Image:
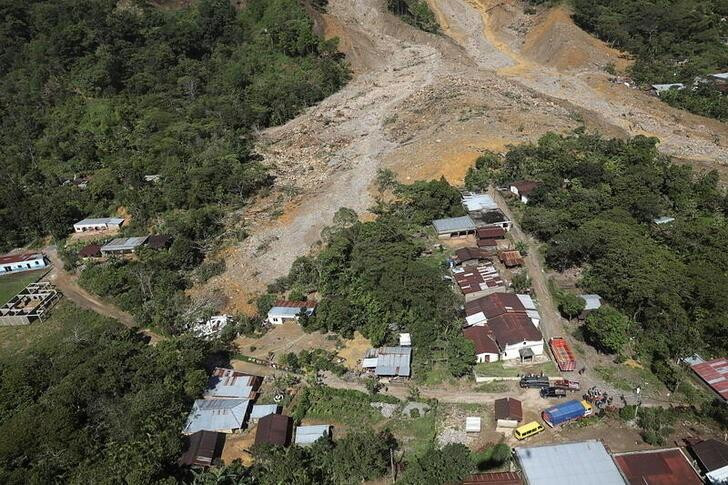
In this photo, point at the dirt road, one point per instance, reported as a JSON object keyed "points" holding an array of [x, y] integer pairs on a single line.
{"points": [[426, 105], [68, 285]]}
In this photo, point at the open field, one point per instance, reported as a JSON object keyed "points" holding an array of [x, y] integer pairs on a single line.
{"points": [[11, 284]]}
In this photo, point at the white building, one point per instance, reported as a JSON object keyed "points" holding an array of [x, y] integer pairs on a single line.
{"points": [[472, 424], [98, 224], [284, 311], [12, 263], [523, 188]]}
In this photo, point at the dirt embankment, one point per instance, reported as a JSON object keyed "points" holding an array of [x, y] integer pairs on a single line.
{"points": [[426, 105]]}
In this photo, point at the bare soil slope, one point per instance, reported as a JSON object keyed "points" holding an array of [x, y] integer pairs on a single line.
{"points": [[426, 105]]}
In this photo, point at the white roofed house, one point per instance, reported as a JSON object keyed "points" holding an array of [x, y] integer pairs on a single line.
{"points": [[98, 224], [308, 435], [12, 263], [283, 311]]}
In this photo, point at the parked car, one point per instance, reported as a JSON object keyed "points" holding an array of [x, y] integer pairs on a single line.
{"points": [[568, 385], [553, 392]]}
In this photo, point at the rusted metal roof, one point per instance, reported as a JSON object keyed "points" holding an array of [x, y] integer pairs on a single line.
{"points": [[511, 258], [711, 453], [491, 233], [657, 467], [90, 251], [493, 478], [19, 258], [524, 187], [512, 328], [482, 339], [496, 304], [202, 448], [274, 429], [508, 408], [468, 254], [715, 374]]}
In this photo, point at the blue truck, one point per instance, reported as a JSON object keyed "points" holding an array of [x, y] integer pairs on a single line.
{"points": [[566, 411]]}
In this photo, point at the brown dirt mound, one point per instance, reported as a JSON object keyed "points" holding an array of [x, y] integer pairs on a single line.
{"points": [[557, 42]]}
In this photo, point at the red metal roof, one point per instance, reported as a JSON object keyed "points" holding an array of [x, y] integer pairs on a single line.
{"points": [[512, 328], [19, 258], [524, 186], [494, 305], [491, 233], [482, 339], [715, 374], [294, 304], [508, 408], [493, 478], [658, 467], [466, 254], [511, 258]]}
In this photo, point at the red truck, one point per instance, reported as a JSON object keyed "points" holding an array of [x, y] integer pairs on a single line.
{"points": [[566, 385], [562, 354]]}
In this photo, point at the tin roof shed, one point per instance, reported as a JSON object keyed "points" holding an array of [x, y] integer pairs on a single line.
{"points": [[568, 464], [452, 225]]}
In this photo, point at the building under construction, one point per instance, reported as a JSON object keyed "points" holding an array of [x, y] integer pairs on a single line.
{"points": [[32, 303]]}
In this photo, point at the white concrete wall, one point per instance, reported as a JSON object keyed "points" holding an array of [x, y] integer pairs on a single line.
{"points": [[512, 351], [23, 266], [486, 357]]}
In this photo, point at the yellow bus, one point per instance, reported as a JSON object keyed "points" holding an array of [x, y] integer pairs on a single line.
{"points": [[528, 430]]}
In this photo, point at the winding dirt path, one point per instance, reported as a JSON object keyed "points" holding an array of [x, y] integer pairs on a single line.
{"points": [[68, 285]]}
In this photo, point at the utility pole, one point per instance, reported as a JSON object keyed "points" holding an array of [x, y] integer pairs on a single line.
{"points": [[391, 463]]}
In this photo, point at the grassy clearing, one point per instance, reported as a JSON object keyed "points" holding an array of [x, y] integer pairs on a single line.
{"points": [[436, 376], [497, 369], [626, 378], [66, 321], [416, 435], [11, 284], [494, 386]]}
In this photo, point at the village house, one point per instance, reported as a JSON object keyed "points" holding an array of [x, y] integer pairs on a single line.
{"points": [[122, 245], [284, 311], [489, 237], [511, 259], [231, 384], [274, 429], [202, 449], [221, 415], [568, 464], [33, 302], [508, 412], [712, 457], [666, 466], [470, 256], [592, 302], [98, 224], [453, 227], [308, 435], [90, 251], [389, 361], [523, 188], [714, 373], [507, 336], [14, 263]]}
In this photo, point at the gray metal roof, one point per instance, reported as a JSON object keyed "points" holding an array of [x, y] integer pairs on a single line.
{"points": [[720, 75], [99, 221], [394, 361], [261, 410], [217, 415], [306, 435], [663, 220], [527, 302], [476, 202], [454, 224], [666, 87], [568, 464], [124, 244], [229, 385], [592, 301]]}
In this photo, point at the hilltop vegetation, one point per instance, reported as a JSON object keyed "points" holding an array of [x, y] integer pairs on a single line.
{"points": [[122, 90], [673, 41], [595, 206]]}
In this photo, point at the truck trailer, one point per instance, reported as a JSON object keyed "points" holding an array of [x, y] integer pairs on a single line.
{"points": [[565, 412], [563, 355]]}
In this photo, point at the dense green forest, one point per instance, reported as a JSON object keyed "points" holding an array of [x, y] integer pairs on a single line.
{"points": [[94, 403], [672, 40], [372, 277], [595, 208], [116, 91]]}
